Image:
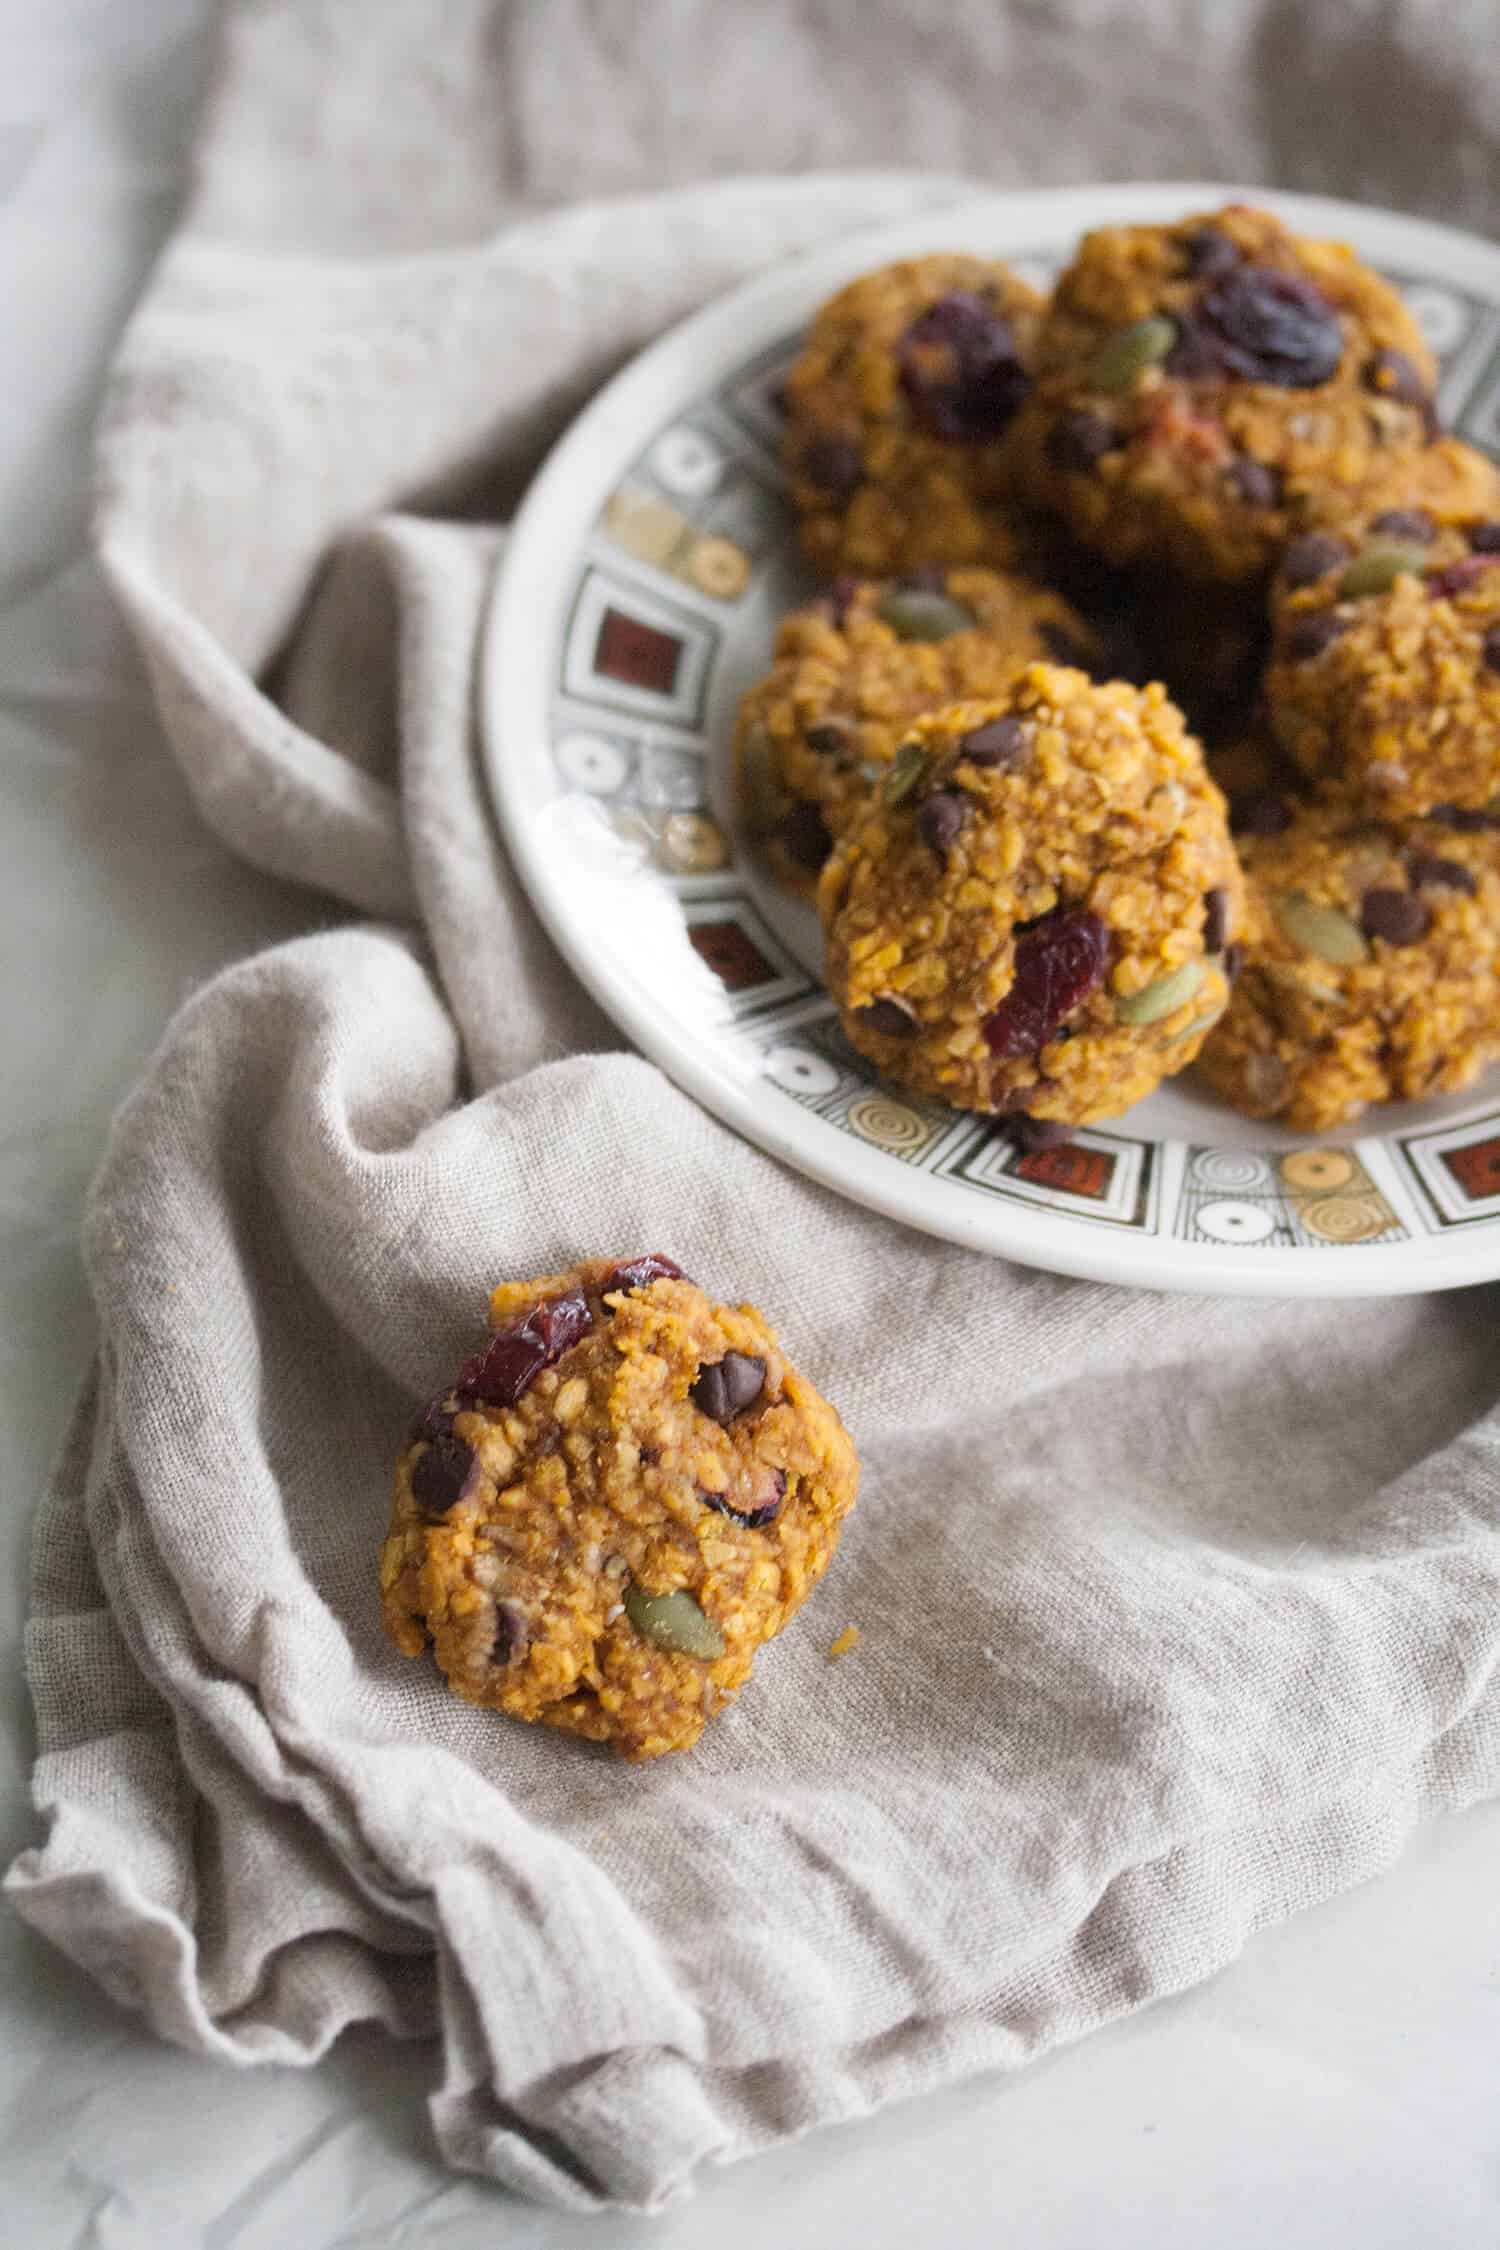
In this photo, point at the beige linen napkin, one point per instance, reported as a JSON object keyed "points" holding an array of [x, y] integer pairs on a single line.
{"points": [[1176, 1616]]}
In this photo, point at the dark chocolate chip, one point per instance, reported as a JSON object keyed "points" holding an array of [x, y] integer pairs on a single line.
{"points": [[827, 741], [725, 1387], [753, 1519], [1259, 812], [1309, 636], [1234, 961], [1396, 916], [1393, 375], [1312, 557], [1449, 874], [639, 1273], [1485, 538], [1258, 485], [941, 818], [1033, 1133], [512, 1634], [435, 1420], [1468, 820], [439, 1475], [1208, 253], [834, 465], [890, 1018], [1413, 525], [1079, 441], [1215, 920], [999, 743], [804, 837], [1489, 649], [1064, 647]]}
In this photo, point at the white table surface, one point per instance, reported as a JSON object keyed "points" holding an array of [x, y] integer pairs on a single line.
{"points": [[1340, 2085]]}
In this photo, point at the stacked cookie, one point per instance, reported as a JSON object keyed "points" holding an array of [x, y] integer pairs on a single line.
{"points": [[1209, 469]]}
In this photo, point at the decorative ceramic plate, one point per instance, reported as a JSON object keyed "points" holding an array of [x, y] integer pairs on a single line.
{"points": [[644, 578]]}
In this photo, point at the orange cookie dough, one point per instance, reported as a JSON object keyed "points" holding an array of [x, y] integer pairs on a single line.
{"points": [[854, 669], [623, 1495], [1034, 916], [897, 413], [1204, 391], [1371, 967], [1385, 677]]}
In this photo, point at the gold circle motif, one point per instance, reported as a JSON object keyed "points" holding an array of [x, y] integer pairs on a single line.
{"points": [[1323, 1168], [694, 843], [890, 1125], [1347, 1218], [719, 567]]}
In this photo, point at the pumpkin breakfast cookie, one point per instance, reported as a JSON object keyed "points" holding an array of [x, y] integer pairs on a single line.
{"points": [[1035, 915], [624, 1494]]}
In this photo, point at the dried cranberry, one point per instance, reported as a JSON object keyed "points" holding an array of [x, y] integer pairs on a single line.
{"points": [[839, 595], [1270, 327], [834, 465], [753, 1519], [804, 837], [960, 369], [1413, 525], [1259, 812], [1485, 538], [1309, 636], [1312, 557], [1215, 920], [1208, 253], [1057, 964], [1394, 915], [1394, 376], [1448, 874], [433, 1421], [941, 819], [1458, 577], [995, 744], [725, 1387], [638, 1273], [1078, 441], [512, 1360], [1256, 483], [440, 1474]]}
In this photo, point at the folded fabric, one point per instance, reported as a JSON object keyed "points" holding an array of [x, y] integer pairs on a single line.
{"points": [[1175, 1615]]}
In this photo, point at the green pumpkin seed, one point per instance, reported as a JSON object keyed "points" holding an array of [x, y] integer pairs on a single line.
{"points": [[903, 773], [1198, 1025], [1164, 998], [1321, 930], [919, 613], [1129, 352], [674, 1622], [1378, 568], [766, 802]]}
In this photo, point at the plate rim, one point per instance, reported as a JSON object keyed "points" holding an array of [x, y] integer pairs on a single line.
{"points": [[515, 679]]}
